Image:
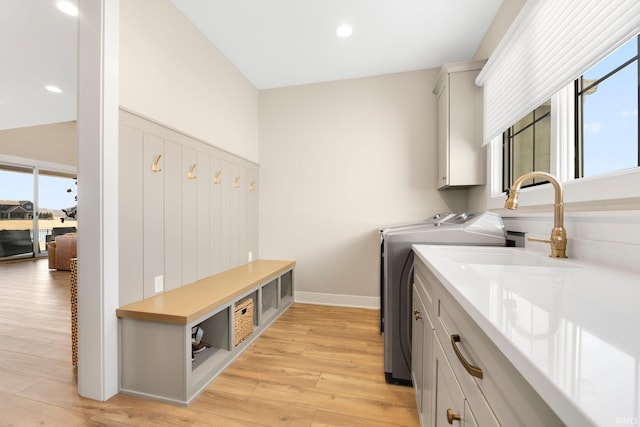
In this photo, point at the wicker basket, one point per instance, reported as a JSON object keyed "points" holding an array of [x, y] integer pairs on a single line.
{"points": [[243, 326]]}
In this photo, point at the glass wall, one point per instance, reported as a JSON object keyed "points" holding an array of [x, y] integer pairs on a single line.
{"points": [[32, 209], [56, 205]]}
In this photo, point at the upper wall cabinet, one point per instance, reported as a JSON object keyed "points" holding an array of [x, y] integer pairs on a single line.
{"points": [[460, 159]]}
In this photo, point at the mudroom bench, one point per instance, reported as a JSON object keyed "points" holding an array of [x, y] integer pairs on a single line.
{"points": [[231, 309]]}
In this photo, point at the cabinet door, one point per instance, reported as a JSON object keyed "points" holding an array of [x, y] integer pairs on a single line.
{"points": [[465, 153], [443, 135], [428, 383], [417, 345], [448, 397], [421, 359], [469, 419]]}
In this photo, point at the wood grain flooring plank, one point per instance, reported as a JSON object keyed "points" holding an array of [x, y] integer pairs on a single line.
{"points": [[315, 365], [258, 408], [17, 411], [341, 403], [331, 419]]}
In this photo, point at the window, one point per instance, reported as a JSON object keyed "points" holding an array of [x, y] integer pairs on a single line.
{"points": [[593, 143], [526, 146], [607, 114], [31, 203]]}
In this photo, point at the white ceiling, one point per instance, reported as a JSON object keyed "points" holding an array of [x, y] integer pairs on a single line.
{"points": [[38, 47], [273, 43], [279, 43]]}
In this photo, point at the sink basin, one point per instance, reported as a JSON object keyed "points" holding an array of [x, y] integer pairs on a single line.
{"points": [[500, 256]]}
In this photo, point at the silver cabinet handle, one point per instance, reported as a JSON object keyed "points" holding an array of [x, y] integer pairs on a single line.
{"points": [[472, 370]]}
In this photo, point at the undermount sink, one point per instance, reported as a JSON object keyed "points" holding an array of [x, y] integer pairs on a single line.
{"points": [[501, 256]]}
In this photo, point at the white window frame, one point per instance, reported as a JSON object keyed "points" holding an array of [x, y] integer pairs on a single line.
{"points": [[612, 191]]}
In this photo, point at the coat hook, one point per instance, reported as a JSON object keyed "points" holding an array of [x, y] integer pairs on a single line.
{"points": [[216, 178], [154, 165], [191, 174], [252, 185], [236, 182]]}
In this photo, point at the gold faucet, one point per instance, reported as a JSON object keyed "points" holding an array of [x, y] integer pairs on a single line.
{"points": [[558, 238]]}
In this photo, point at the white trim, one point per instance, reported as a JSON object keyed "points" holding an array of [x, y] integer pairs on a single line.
{"points": [[98, 44], [606, 192], [614, 191], [338, 300], [40, 164]]}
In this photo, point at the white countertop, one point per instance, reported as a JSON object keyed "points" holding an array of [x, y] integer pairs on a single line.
{"points": [[571, 329]]}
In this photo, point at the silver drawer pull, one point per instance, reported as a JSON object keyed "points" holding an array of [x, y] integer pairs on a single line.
{"points": [[472, 370]]}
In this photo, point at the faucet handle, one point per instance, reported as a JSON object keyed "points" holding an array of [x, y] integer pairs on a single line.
{"points": [[558, 243], [534, 239]]}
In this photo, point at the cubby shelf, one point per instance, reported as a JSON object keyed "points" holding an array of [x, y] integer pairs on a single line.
{"points": [[155, 333]]}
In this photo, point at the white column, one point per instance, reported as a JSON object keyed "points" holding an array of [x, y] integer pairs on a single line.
{"points": [[98, 44]]}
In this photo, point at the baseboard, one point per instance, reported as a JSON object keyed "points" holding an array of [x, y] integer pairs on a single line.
{"points": [[338, 300]]}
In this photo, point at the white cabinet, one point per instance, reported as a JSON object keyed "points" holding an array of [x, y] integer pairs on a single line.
{"points": [[448, 396], [421, 359], [470, 377], [460, 152]]}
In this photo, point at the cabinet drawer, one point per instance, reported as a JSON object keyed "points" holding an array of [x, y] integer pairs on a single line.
{"points": [[502, 393], [425, 281]]}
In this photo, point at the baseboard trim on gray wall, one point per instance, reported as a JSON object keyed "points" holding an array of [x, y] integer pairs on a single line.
{"points": [[338, 300]]}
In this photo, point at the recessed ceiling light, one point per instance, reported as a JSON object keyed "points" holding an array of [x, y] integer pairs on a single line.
{"points": [[54, 89], [68, 8], [344, 31]]}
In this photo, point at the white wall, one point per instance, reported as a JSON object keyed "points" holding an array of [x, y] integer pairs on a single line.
{"points": [[337, 161], [171, 73]]}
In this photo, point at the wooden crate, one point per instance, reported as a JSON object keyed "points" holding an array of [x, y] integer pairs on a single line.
{"points": [[243, 325]]}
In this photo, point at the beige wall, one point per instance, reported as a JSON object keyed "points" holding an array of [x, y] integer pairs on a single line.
{"points": [[337, 161], [170, 73], [53, 143]]}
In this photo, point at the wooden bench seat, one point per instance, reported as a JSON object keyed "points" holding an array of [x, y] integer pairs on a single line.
{"points": [[155, 334]]}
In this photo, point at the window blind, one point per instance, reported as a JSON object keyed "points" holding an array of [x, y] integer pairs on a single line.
{"points": [[550, 44]]}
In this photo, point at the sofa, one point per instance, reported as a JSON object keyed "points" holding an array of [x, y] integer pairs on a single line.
{"points": [[61, 251], [15, 242]]}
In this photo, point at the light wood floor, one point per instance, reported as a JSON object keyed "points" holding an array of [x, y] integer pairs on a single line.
{"points": [[315, 366]]}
